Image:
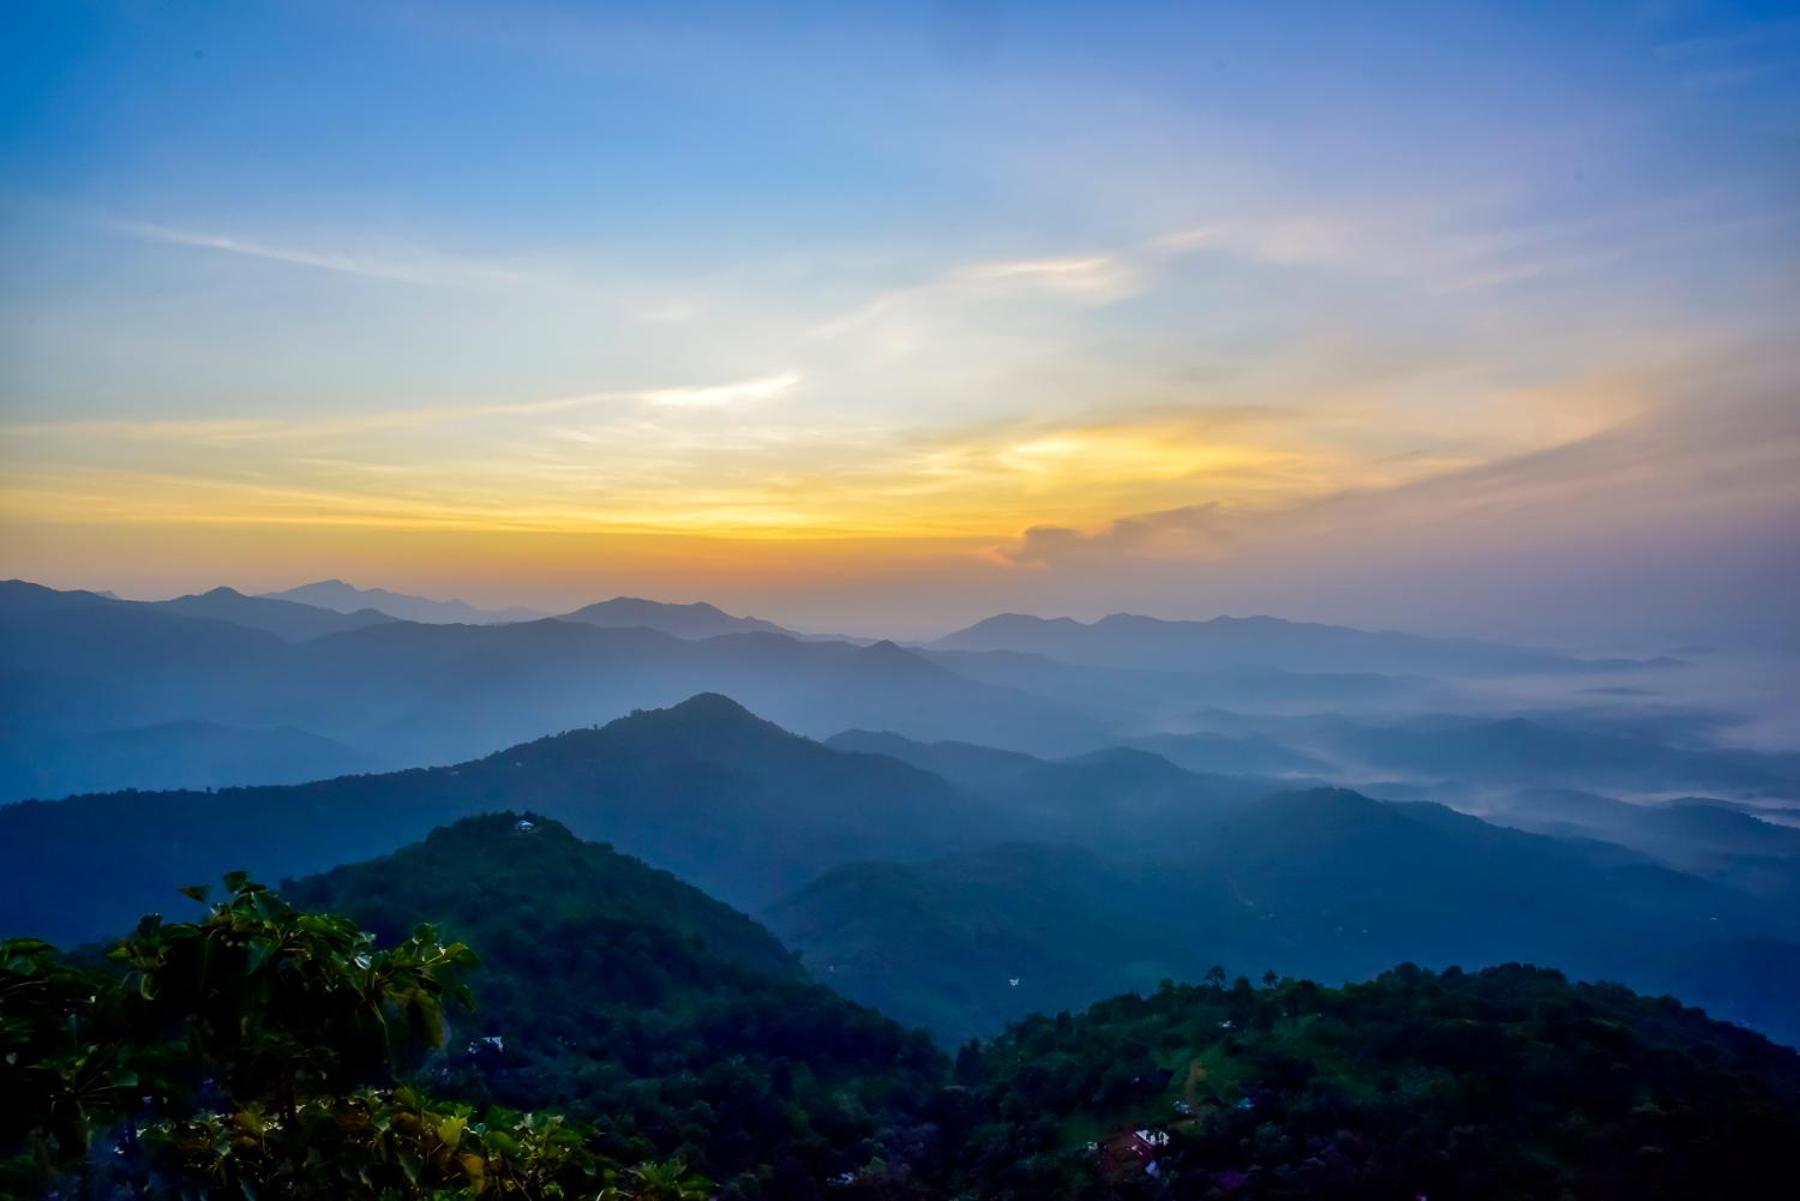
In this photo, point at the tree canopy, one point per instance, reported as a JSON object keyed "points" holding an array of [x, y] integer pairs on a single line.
{"points": [[255, 1053]]}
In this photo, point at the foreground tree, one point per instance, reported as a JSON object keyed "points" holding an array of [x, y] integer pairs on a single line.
{"points": [[254, 1054]]}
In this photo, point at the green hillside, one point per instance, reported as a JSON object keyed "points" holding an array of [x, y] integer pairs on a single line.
{"points": [[1507, 1084], [683, 1040], [613, 991]]}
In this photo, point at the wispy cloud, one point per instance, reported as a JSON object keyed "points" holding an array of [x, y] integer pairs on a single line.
{"points": [[396, 265], [216, 431], [1085, 279], [1668, 460]]}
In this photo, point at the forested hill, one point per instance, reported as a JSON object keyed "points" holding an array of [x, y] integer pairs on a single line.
{"points": [[517, 878], [611, 990], [1323, 883], [683, 1028], [618, 994], [1501, 1085]]}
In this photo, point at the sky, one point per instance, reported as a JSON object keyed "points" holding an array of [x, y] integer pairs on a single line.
{"points": [[1460, 318]]}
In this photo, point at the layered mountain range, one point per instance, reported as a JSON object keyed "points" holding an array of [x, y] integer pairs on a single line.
{"points": [[958, 887]]}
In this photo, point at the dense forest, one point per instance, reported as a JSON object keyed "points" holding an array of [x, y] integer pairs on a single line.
{"points": [[585, 1025], [1508, 1083], [261, 1051]]}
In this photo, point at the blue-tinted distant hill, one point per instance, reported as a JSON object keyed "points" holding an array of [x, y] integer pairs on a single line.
{"points": [[1127, 640], [407, 693], [698, 620], [1139, 699], [346, 598], [1119, 796], [183, 754], [287, 620], [730, 802], [1322, 883], [1709, 838]]}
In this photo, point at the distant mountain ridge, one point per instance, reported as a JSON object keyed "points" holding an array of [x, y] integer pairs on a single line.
{"points": [[291, 621], [410, 693], [347, 598], [697, 620], [1133, 641]]}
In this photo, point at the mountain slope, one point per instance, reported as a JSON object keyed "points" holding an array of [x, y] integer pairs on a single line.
{"points": [[737, 805], [1120, 796], [1127, 640], [175, 755], [616, 991], [1324, 883], [77, 662], [20, 598]]}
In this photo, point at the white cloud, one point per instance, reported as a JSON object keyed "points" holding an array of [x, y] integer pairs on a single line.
{"points": [[724, 395]]}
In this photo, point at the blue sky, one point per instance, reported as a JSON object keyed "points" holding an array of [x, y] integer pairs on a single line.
{"points": [[824, 308]]}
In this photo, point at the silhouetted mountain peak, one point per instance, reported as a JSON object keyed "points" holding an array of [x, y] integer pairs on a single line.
{"points": [[23, 596], [694, 620], [891, 657], [517, 857], [343, 597], [705, 726], [713, 707], [644, 606], [1001, 622]]}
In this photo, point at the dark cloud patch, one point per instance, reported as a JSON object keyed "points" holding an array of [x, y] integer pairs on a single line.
{"points": [[1191, 530]]}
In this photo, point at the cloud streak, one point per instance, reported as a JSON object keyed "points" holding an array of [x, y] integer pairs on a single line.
{"points": [[216, 431], [408, 267], [1671, 464]]}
